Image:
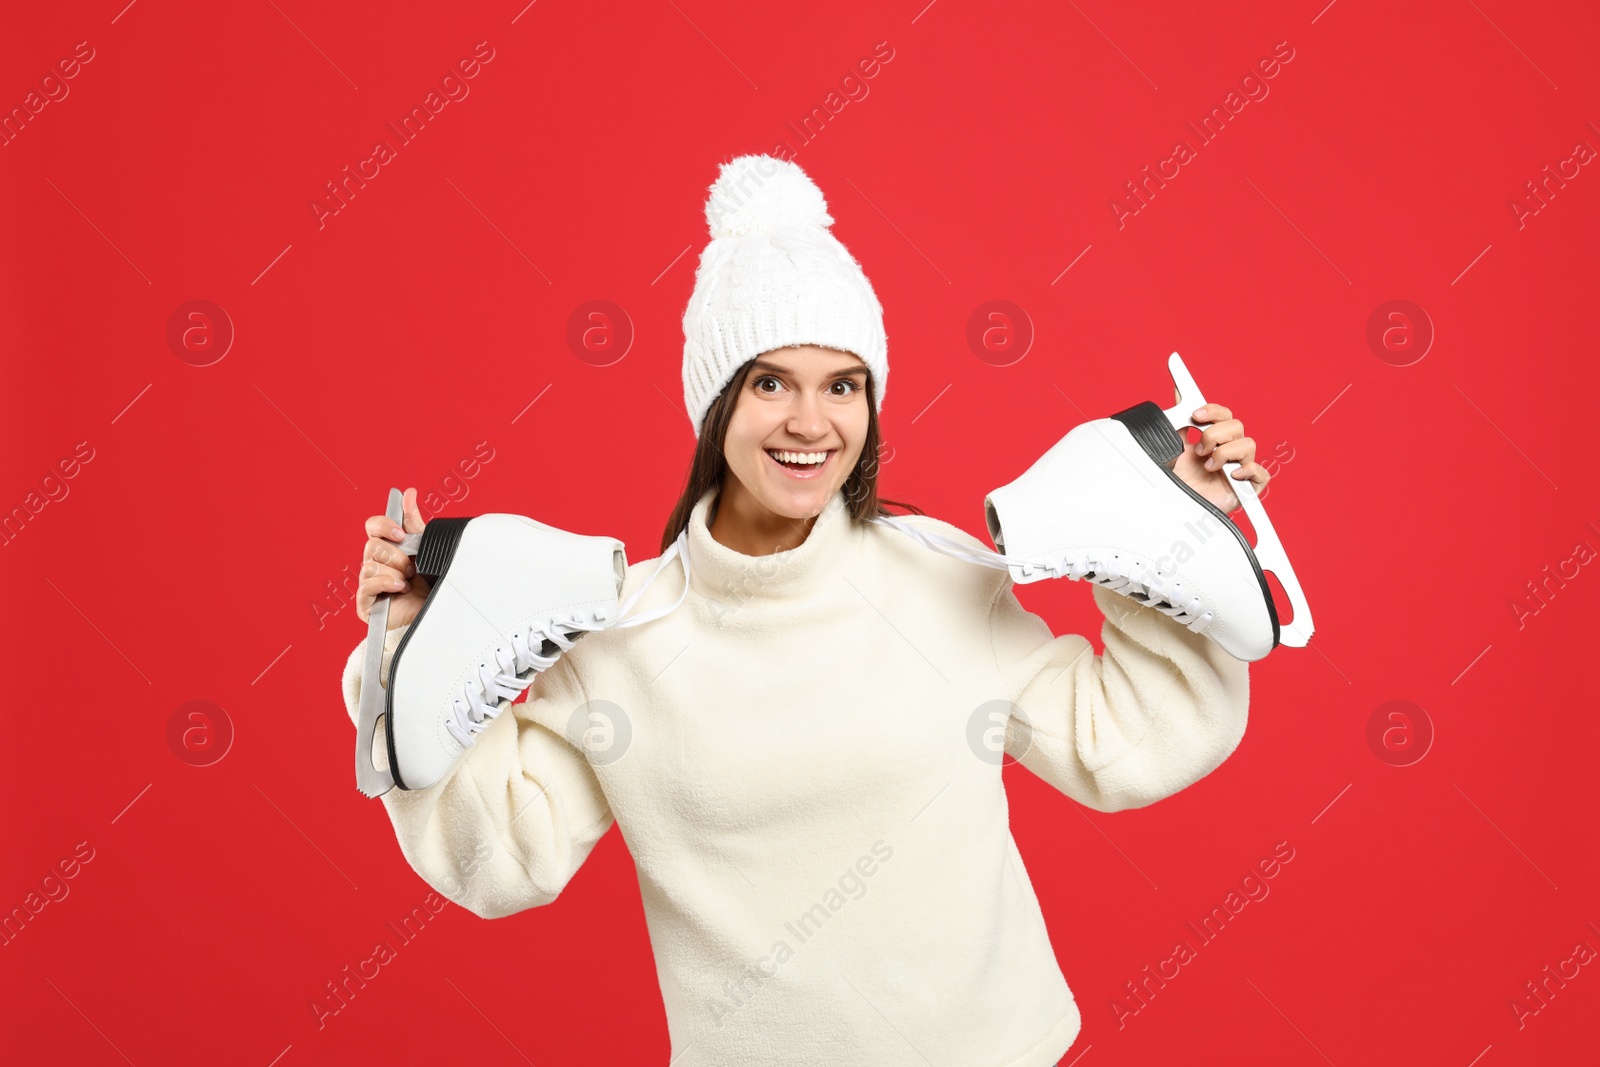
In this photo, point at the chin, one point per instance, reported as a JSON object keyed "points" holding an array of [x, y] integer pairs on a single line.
{"points": [[798, 503]]}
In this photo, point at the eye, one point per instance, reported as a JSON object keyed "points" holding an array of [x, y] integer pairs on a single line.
{"points": [[851, 382], [764, 378]]}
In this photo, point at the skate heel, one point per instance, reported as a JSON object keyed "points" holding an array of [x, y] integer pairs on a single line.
{"points": [[1151, 428], [440, 539], [1152, 431], [436, 548]]}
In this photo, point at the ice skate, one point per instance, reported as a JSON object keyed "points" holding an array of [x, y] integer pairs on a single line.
{"points": [[509, 596], [1104, 505]]}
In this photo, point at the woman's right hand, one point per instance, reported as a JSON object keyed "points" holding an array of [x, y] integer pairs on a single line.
{"points": [[385, 570]]}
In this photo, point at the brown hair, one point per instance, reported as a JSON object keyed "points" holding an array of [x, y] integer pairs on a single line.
{"points": [[710, 465]]}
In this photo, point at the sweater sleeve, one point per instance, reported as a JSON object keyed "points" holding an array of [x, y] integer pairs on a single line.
{"points": [[515, 816], [1160, 709]]}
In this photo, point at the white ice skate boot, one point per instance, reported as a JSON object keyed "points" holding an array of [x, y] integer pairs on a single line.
{"points": [[1104, 505], [509, 595]]}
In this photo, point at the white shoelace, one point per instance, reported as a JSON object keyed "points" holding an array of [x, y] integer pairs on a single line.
{"points": [[1121, 574], [508, 675]]}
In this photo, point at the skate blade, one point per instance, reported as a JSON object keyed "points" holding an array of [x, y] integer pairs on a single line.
{"points": [[1268, 548], [372, 779]]}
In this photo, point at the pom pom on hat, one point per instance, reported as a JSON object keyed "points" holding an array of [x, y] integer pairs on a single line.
{"points": [[773, 276], [760, 194]]}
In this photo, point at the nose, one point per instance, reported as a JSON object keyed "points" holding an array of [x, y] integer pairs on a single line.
{"points": [[807, 419]]}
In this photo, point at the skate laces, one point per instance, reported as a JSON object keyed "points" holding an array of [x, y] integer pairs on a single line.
{"points": [[1133, 578], [1121, 574], [680, 549], [509, 674]]}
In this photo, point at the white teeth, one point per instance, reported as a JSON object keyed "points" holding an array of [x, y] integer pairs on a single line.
{"points": [[798, 457]]}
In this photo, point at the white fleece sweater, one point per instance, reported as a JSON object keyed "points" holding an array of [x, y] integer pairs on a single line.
{"points": [[803, 759]]}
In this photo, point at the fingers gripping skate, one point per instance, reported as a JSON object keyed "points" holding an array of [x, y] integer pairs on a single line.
{"points": [[1268, 548]]}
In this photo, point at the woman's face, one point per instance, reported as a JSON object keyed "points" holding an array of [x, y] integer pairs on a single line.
{"points": [[804, 399]]}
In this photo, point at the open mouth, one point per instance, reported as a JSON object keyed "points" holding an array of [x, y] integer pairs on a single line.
{"points": [[801, 464]]}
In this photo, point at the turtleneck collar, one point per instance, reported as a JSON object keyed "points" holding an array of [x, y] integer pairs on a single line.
{"points": [[723, 574]]}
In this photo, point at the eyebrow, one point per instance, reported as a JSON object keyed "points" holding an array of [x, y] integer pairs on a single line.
{"points": [[762, 364]]}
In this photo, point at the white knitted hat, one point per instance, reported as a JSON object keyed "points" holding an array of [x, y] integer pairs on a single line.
{"points": [[773, 276]]}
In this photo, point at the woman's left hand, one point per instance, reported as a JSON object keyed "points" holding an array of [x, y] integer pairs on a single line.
{"points": [[1221, 441]]}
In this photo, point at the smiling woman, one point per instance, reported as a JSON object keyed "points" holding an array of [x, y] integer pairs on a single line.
{"points": [[785, 361], [791, 427], [818, 681]]}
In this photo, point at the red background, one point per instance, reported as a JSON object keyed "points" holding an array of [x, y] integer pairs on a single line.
{"points": [[186, 560]]}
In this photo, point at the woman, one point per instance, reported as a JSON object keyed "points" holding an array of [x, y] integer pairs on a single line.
{"points": [[804, 755]]}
